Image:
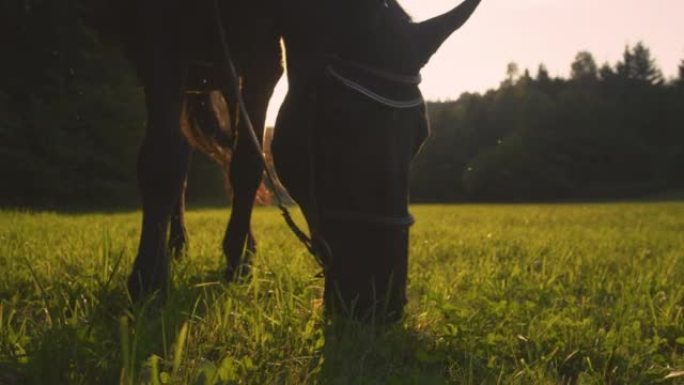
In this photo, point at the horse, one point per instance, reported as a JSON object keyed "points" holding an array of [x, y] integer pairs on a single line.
{"points": [[351, 122]]}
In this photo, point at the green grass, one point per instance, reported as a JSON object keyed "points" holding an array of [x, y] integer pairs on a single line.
{"points": [[498, 294]]}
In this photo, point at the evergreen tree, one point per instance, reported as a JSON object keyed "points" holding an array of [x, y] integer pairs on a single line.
{"points": [[512, 73], [606, 73], [646, 68], [543, 75], [526, 78], [584, 67], [638, 65], [625, 68]]}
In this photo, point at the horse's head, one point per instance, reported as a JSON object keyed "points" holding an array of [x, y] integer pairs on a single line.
{"points": [[366, 120]]}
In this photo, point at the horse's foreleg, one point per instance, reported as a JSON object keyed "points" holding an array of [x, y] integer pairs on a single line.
{"points": [[161, 173], [162, 167], [246, 167]]}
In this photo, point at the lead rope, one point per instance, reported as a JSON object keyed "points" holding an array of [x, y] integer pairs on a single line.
{"points": [[272, 179]]}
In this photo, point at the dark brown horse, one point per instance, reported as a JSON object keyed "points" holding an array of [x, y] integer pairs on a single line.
{"points": [[346, 133]]}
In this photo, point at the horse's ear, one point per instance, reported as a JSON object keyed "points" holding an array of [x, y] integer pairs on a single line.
{"points": [[430, 34]]}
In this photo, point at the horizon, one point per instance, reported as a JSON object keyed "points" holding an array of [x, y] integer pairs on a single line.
{"points": [[534, 32]]}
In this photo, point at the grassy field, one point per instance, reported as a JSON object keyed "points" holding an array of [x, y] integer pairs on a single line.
{"points": [[499, 294]]}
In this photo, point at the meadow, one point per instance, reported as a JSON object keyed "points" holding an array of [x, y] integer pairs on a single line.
{"points": [[498, 294]]}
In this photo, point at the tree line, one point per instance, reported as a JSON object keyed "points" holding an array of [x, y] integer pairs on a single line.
{"points": [[72, 117], [606, 132]]}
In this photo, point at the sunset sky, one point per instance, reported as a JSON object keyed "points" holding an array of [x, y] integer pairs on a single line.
{"points": [[530, 32]]}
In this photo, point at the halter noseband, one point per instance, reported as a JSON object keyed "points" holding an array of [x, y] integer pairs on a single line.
{"points": [[373, 95]]}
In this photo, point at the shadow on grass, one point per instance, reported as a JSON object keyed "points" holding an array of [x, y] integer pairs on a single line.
{"points": [[399, 354]]}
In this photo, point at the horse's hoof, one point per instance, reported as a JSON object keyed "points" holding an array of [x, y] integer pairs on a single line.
{"points": [[136, 288], [240, 273], [178, 250], [178, 246], [143, 287]]}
